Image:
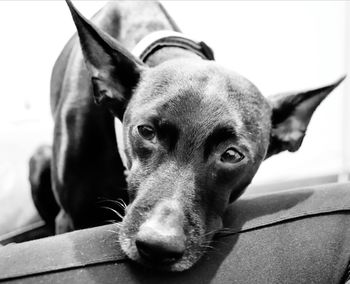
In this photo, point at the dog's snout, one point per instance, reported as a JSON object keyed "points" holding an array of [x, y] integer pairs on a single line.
{"points": [[160, 249], [161, 238]]}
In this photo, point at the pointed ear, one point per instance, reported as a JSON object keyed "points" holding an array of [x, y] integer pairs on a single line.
{"points": [[114, 71], [291, 114]]}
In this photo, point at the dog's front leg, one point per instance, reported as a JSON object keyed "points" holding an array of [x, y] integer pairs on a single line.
{"points": [[63, 222], [86, 166]]}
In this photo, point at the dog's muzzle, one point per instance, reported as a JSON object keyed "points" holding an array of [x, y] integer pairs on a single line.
{"points": [[161, 237]]}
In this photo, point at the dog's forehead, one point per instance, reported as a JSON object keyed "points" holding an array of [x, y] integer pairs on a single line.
{"points": [[197, 91], [173, 76]]}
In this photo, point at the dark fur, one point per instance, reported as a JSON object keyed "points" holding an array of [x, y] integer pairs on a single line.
{"points": [[179, 185]]}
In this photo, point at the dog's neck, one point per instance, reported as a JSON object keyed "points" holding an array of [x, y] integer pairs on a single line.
{"points": [[161, 46]]}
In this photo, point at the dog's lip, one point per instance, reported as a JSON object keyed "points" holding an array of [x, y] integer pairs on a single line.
{"points": [[169, 266], [173, 267], [157, 260], [160, 264]]}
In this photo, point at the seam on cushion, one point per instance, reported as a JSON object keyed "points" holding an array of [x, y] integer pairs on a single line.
{"points": [[256, 226], [346, 276], [276, 221], [65, 266]]}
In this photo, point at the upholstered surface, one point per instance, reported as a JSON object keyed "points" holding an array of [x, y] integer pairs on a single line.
{"points": [[299, 236]]}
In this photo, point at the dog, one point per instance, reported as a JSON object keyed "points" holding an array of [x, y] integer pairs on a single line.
{"points": [[194, 133]]}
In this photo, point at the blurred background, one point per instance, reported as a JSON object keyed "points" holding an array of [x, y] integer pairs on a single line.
{"points": [[279, 46]]}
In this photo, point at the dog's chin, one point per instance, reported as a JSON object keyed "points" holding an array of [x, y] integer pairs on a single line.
{"points": [[185, 263]]}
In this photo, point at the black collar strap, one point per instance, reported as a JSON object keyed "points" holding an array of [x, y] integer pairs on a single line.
{"points": [[159, 39]]}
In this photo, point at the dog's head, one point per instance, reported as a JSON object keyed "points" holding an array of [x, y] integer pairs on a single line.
{"points": [[195, 134]]}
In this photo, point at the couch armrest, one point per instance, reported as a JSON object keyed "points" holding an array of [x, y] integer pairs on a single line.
{"points": [[299, 236]]}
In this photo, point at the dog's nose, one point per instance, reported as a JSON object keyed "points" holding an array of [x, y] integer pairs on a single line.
{"points": [[158, 249], [161, 237]]}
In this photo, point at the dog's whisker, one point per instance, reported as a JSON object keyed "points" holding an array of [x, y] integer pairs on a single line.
{"points": [[120, 202], [206, 245], [113, 210], [114, 232], [213, 232], [116, 224], [225, 232], [111, 221], [213, 246], [224, 229], [217, 243], [123, 206], [102, 199]]}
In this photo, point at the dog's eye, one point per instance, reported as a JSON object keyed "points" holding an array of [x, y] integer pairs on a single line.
{"points": [[232, 156], [146, 131]]}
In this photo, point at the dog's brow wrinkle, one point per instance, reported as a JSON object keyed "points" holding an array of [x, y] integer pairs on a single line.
{"points": [[220, 134], [168, 133]]}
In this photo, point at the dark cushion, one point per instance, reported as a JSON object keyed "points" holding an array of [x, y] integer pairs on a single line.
{"points": [[299, 236]]}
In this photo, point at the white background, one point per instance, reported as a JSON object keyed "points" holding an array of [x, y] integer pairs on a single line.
{"points": [[279, 46]]}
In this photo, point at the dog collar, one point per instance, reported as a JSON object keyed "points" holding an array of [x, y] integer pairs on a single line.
{"points": [[159, 39]]}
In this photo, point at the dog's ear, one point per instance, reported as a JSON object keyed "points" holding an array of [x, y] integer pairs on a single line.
{"points": [[114, 71], [291, 114]]}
